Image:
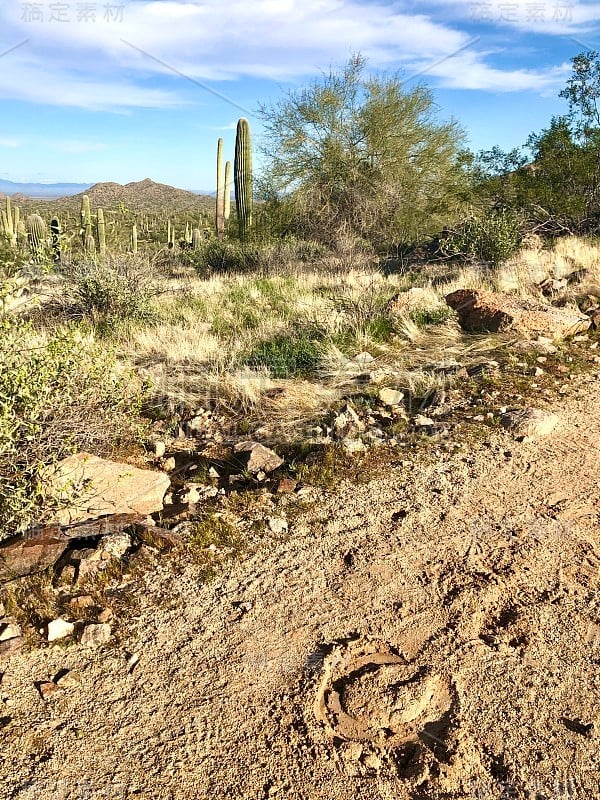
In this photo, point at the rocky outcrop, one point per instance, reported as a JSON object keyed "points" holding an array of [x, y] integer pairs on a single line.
{"points": [[491, 312]]}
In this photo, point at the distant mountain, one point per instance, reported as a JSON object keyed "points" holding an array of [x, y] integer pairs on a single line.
{"points": [[141, 196], [41, 191]]}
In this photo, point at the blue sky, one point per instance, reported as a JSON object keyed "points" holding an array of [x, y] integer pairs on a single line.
{"points": [[127, 89]]}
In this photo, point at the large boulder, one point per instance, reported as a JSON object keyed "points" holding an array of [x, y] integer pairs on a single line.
{"points": [[491, 312], [100, 487]]}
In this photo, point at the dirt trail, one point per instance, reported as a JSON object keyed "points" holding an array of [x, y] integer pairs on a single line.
{"points": [[432, 635]]}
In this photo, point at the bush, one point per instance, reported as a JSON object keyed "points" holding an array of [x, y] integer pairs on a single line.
{"points": [[56, 396], [491, 238], [221, 255], [119, 291]]}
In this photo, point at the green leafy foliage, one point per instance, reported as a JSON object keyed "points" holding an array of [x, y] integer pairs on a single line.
{"points": [[490, 238], [362, 154], [56, 395]]}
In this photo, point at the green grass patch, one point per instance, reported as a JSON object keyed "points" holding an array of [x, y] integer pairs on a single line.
{"points": [[287, 355]]}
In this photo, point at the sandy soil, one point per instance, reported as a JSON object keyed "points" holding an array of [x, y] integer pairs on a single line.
{"points": [[433, 634]]}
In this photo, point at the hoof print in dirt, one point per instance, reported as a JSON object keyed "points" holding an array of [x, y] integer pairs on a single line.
{"points": [[372, 696]]}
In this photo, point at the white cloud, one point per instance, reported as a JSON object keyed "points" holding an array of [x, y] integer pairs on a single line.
{"points": [[91, 66], [549, 17], [9, 143], [78, 146]]}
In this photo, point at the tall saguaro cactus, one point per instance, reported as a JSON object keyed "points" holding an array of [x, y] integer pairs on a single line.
{"points": [[220, 199], [10, 225], [242, 176], [87, 237], [36, 232], [101, 225], [227, 192], [55, 234]]}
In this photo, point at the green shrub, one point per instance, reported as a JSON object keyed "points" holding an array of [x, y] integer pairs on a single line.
{"points": [[221, 255], [429, 316], [56, 396], [120, 291], [287, 355], [491, 238]]}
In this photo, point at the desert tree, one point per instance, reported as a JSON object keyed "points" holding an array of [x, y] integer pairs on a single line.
{"points": [[362, 153]]}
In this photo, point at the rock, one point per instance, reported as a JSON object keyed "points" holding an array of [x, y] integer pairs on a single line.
{"points": [[529, 423], [286, 485], [421, 421], [9, 630], [11, 647], [59, 628], [106, 487], [190, 495], [82, 601], [105, 615], [347, 424], [277, 524], [115, 545], [69, 680], [47, 689], [353, 445], [363, 359], [160, 448], [34, 552], [391, 397], [96, 635], [258, 458], [168, 464], [595, 318], [159, 538], [491, 312]]}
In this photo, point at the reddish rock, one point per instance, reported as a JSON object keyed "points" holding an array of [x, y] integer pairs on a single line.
{"points": [[491, 312], [257, 457], [32, 553]]}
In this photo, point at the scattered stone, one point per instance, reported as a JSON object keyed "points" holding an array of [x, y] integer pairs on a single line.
{"points": [[259, 458], [47, 689], [391, 397], [106, 487], [59, 628], [32, 553], [69, 679], [115, 545], [82, 601], [190, 495], [277, 524], [95, 635], [9, 630], [11, 647], [168, 464], [105, 615], [529, 423], [159, 538], [421, 421], [353, 445], [286, 485], [160, 448], [490, 312], [362, 359], [347, 423]]}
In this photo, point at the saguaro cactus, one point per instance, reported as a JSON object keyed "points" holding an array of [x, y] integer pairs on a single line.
{"points": [[36, 233], [87, 237], [220, 201], [134, 243], [55, 234], [227, 191], [242, 176], [196, 239], [9, 225], [101, 226]]}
